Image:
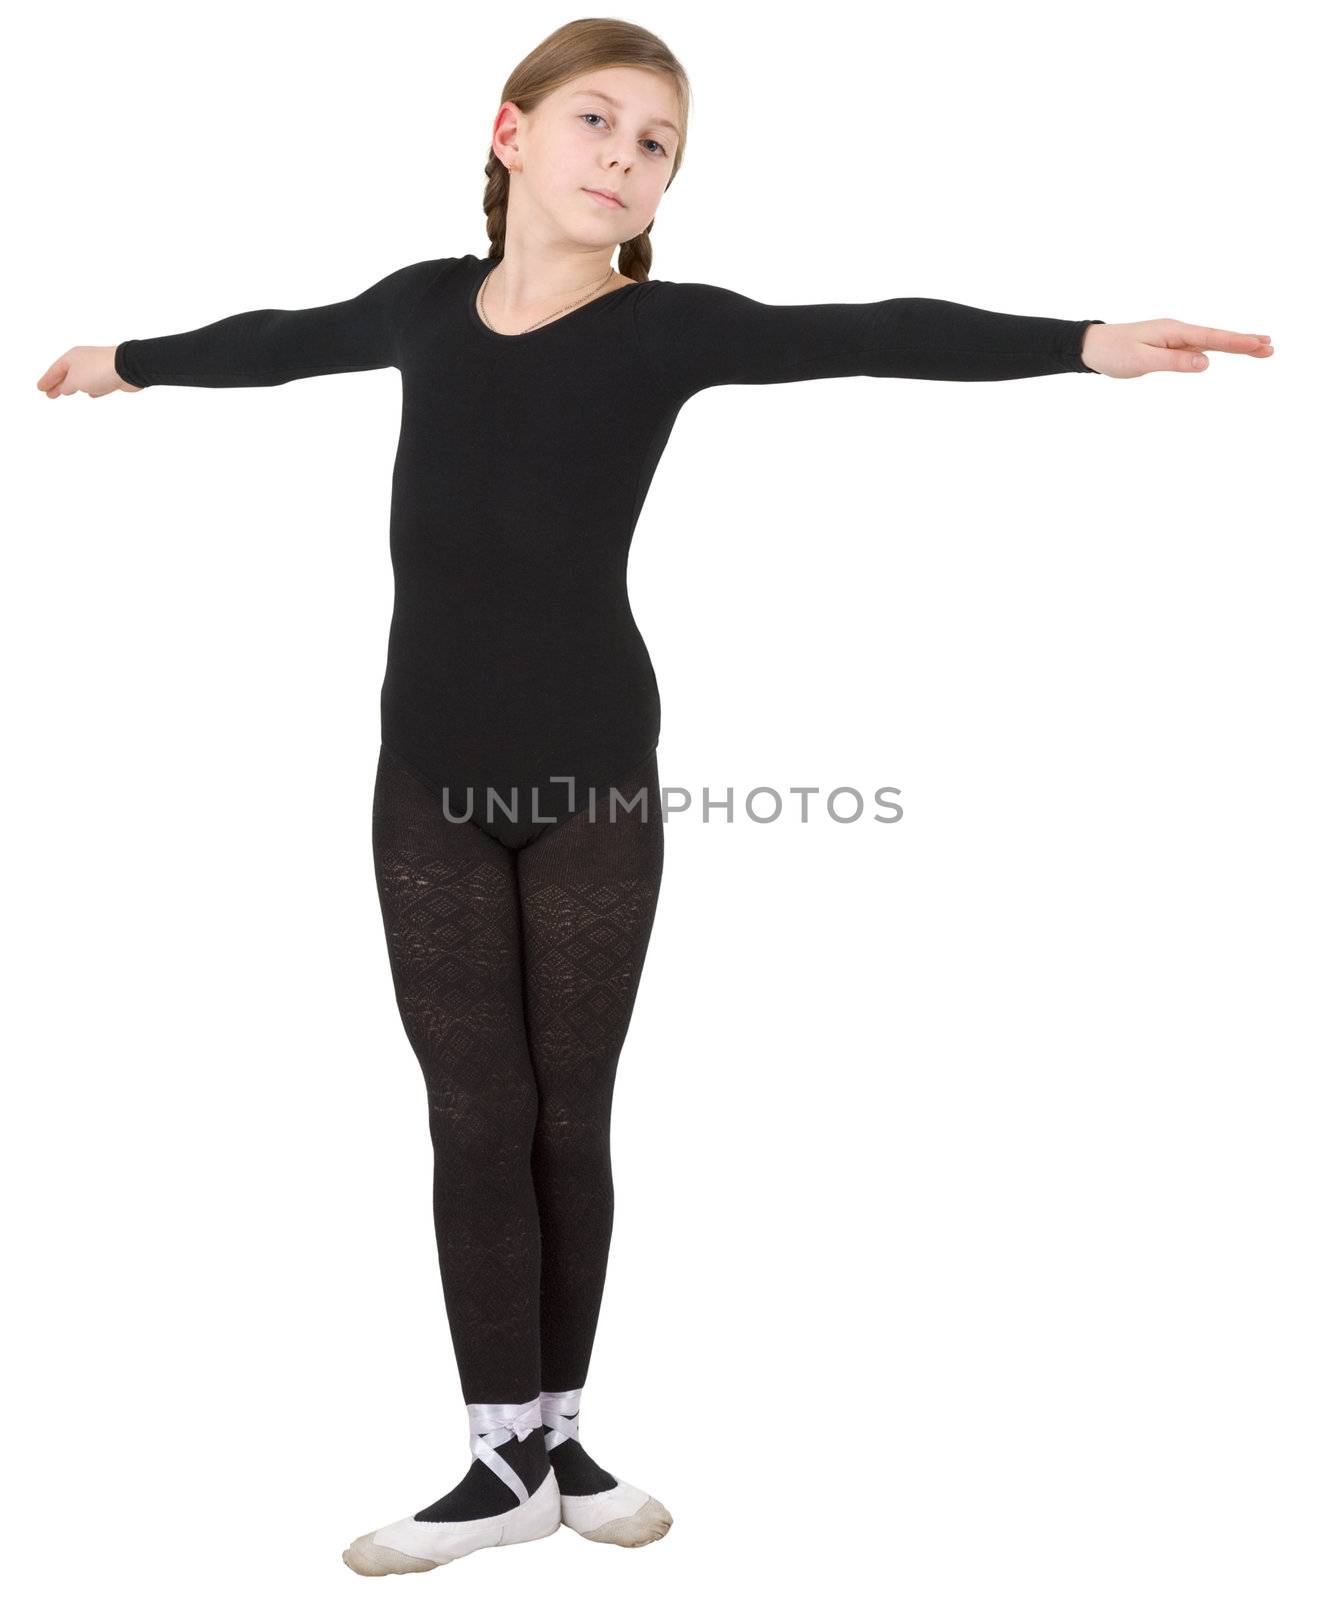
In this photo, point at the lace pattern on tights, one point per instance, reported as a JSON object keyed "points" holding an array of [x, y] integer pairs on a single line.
{"points": [[515, 973]]}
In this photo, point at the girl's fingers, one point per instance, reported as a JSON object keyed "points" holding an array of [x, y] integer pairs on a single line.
{"points": [[1171, 346], [1236, 344], [53, 375]]}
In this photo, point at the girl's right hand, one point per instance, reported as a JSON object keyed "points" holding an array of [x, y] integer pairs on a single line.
{"points": [[86, 369]]}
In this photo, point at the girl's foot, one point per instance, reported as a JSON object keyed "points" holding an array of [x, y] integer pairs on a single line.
{"points": [[594, 1503], [509, 1495]]}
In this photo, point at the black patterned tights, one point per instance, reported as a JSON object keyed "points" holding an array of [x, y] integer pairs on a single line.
{"points": [[515, 972]]}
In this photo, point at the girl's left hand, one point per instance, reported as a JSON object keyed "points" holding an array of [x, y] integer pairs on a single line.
{"points": [[1129, 349]]}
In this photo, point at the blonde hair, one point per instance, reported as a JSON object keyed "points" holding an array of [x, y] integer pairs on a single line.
{"points": [[570, 52]]}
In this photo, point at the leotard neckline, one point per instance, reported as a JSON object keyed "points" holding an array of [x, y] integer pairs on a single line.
{"points": [[488, 264]]}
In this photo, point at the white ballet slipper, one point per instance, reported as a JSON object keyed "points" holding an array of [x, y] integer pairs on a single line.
{"points": [[413, 1546], [622, 1515]]}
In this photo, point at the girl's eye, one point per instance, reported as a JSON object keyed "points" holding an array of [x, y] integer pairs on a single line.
{"points": [[659, 148]]}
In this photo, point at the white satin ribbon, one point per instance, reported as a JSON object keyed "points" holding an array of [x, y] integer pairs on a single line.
{"points": [[561, 1411], [491, 1425]]}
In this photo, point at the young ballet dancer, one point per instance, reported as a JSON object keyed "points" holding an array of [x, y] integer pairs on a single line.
{"points": [[516, 822]]}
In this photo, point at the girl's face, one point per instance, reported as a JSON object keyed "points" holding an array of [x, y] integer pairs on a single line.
{"points": [[617, 130]]}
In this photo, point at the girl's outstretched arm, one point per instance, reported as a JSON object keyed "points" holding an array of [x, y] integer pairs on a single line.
{"points": [[255, 348], [696, 335]]}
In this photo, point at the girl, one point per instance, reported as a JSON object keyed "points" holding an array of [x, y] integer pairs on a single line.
{"points": [[516, 822]]}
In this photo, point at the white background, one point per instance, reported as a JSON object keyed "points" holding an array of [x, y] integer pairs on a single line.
{"points": [[975, 1174]]}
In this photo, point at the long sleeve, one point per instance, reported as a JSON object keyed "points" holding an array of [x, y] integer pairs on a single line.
{"points": [[263, 348], [695, 335]]}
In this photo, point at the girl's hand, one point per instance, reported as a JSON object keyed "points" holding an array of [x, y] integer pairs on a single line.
{"points": [[87, 369], [1129, 349]]}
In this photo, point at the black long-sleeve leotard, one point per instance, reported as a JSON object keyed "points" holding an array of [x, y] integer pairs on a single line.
{"points": [[514, 659]]}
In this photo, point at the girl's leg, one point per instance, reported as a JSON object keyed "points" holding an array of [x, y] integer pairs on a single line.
{"points": [[588, 892], [452, 919]]}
